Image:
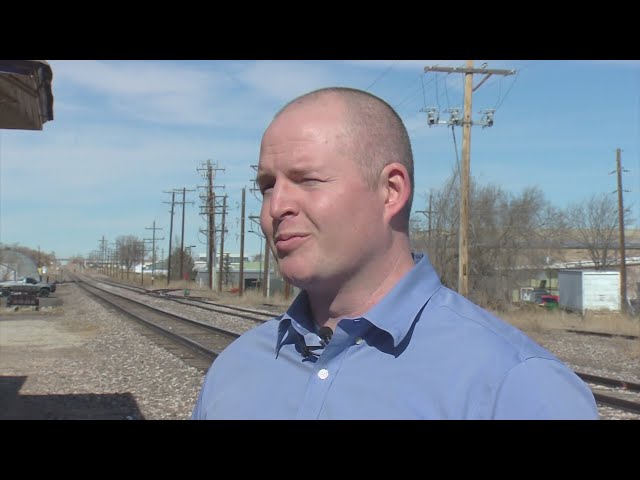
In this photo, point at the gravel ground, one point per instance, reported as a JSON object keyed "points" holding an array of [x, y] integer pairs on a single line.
{"points": [[81, 361], [75, 362]]}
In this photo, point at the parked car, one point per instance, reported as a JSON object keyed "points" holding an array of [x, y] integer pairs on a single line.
{"points": [[549, 301], [27, 284]]}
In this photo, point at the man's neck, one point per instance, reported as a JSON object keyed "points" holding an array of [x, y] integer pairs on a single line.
{"points": [[360, 293]]}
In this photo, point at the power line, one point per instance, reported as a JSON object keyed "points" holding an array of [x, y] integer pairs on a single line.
{"points": [[382, 75]]}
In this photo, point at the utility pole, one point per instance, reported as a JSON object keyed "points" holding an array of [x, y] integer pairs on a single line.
{"points": [[113, 259], [255, 220], [224, 211], [211, 233], [432, 119], [428, 214], [266, 277], [266, 273], [173, 201], [142, 263], [463, 245], [103, 248], [153, 250], [241, 277], [184, 193], [210, 212], [623, 254]]}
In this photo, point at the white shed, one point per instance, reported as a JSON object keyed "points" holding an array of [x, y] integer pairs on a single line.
{"points": [[582, 290]]}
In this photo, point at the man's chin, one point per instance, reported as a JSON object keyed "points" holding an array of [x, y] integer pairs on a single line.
{"points": [[298, 277], [299, 281]]}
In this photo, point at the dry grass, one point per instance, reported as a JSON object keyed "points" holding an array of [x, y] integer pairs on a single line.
{"points": [[539, 319], [250, 298]]}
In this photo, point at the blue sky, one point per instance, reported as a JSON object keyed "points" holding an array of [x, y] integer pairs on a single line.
{"points": [[125, 132]]}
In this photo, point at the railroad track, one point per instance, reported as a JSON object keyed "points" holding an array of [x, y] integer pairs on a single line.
{"points": [[255, 315], [620, 388], [623, 395], [602, 334], [195, 342]]}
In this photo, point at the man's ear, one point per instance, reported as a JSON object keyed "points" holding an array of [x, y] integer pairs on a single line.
{"points": [[397, 188]]}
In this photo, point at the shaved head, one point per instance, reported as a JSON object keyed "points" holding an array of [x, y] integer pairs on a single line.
{"points": [[372, 132]]}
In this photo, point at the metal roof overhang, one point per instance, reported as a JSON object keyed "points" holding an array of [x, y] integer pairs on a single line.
{"points": [[26, 99]]}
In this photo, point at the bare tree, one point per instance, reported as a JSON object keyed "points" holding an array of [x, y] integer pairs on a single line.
{"points": [[594, 227], [226, 269], [128, 251], [187, 263], [443, 238], [510, 235]]}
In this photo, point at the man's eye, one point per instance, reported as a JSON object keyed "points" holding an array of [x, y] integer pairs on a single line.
{"points": [[266, 189]]}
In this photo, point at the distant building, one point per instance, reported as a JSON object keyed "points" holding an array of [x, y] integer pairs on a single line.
{"points": [[253, 273]]}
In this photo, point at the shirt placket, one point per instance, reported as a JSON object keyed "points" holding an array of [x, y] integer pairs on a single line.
{"points": [[324, 372]]}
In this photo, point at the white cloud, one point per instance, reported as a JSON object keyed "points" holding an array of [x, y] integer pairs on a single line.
{"points": [[176, 93], [283, 80]]}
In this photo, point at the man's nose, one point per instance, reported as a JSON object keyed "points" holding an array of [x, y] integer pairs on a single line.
{"points": [[282, 201]]}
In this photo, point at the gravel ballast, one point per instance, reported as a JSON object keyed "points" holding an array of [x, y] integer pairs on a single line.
{"points": [[84, 361]]}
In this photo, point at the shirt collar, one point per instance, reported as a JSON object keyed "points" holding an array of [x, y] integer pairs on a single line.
{"points": [[394, 314], [398, 309], [297, 318]]}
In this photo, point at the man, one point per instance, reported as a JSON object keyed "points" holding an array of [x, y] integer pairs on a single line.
{"points": [[373, 333]]}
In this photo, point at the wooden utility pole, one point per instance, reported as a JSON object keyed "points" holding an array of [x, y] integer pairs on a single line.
{"points": [[153, 249], [241, 276], [184, 202], [623, 254], [463, 244], [255, 220], [265, 274], [211, 237], [221, 268], [184, 195], [142, 264], [465, 172], [428, 214], [210, 212], [103, 248], [173, 201]]}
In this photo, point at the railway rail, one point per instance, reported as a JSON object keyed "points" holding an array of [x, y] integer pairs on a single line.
{"points": [[602, 334], [620, 388], [180, 335], [198, 302]]}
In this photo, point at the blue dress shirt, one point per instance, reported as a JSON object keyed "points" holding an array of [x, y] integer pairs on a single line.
{"points": [[423, 352]]}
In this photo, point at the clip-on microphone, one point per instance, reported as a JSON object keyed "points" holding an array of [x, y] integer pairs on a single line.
{"points": [[325, 334]]}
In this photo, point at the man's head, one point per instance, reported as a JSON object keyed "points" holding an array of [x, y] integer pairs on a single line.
{"points": [[336, 173], [373, 132]]}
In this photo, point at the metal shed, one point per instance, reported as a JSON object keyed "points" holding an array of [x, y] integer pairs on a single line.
{"points": [[593, 290]]}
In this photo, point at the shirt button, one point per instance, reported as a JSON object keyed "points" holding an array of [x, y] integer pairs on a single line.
{"points": [[359, 341], [324, 373]]}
